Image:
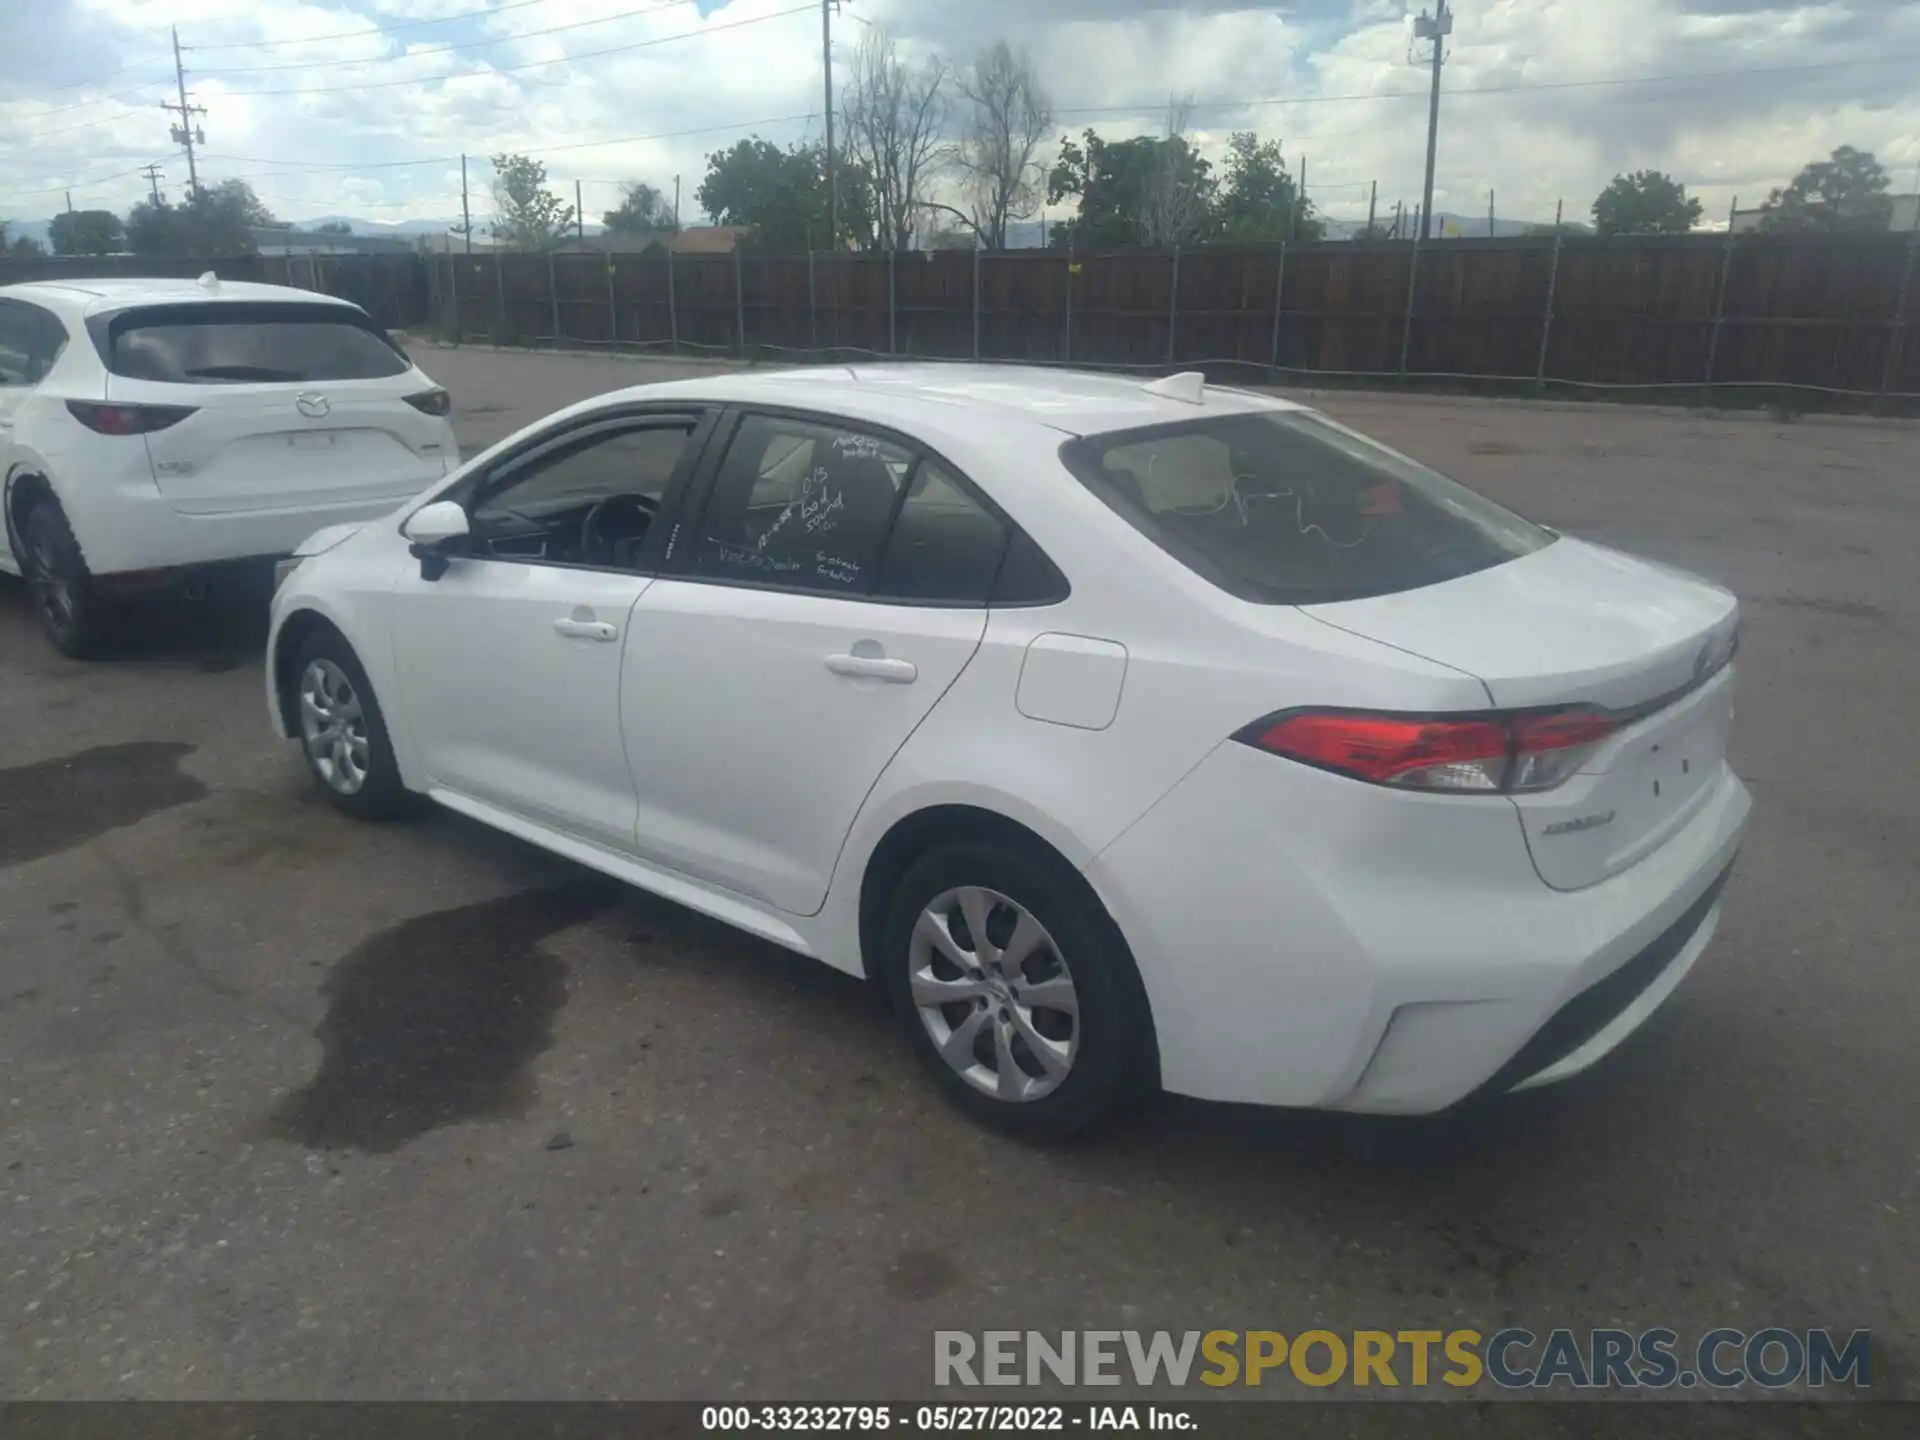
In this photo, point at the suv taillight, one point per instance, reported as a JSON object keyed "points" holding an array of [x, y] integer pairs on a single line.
{"points": [[431, 402], [1498, 754], [109, 419]]}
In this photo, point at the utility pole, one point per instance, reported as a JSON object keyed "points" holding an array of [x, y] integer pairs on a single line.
{"points": [[1434, 28], [69, 202], [1489, 214], [186, 133], [153, 172], [833, 174], [579, 216], [1373, 202], [676, 203], [466, 215]]}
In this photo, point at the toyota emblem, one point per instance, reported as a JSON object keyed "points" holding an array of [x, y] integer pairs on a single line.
{"points": [[312, 404]]}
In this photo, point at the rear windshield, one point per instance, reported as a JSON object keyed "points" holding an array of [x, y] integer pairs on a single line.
{"points": [[239, 344], [1290, 508]]}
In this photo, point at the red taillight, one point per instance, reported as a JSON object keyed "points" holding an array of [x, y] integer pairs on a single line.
{"points": [[1477, 754], [431, 402], [110, 419]]}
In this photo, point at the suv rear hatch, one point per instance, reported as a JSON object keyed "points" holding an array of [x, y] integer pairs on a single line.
{"points": [[293, 405], [1576, 624]]}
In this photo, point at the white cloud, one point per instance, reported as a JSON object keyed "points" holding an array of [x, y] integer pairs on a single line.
{"points": [[1720, 133]]}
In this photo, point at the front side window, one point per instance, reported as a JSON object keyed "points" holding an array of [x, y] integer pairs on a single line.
{"points": [[1289, 508], [590, 501], [237, 343], [803, 504]]}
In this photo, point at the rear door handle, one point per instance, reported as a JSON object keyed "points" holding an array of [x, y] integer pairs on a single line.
{"points": [[585, 629], [874, 667]]}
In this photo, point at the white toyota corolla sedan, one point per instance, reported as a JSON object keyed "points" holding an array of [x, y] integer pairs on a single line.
{"points": [[1132, 734]]}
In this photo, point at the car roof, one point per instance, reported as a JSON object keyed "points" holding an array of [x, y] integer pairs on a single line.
{"points": [[94, 295], [943, 395]]}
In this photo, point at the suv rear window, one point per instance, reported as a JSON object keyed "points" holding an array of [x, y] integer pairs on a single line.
{"points": [[242, 344], [1289, 508]]}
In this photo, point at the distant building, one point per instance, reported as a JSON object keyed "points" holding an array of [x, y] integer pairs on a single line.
{"points": [[1903, 216], [286, 240]]}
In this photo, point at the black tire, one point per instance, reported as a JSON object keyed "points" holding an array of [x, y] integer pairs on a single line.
{"points": [[61, 587], [380, 794], [1112, 1066]]}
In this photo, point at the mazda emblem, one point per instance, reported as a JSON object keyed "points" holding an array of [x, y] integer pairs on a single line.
{"points": [[312, 404]]}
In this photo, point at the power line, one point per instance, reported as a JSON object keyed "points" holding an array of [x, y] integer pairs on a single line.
{"points": [[483, 12], [532, 64], [83, 184], [444, 49], [1152, 106], [294, 166]]}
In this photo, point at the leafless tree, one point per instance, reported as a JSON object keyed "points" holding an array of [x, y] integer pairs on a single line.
{"points": [[1177, 205], [1009, 115], [894, 114]]}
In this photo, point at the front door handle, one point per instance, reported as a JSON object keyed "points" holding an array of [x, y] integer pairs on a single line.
{"points": [[585, 629], [874, 667]]}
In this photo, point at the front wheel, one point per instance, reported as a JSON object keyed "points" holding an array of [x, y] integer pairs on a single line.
{"points": [[343, 735], [1017, 991]]}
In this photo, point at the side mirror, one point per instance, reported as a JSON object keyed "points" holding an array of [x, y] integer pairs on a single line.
{"points": [[437, 532]]}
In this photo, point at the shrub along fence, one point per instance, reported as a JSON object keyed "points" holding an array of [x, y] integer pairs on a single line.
{"points": [[1829, 316]]}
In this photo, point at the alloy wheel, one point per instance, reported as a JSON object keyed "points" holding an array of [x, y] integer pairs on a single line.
{"points": [[333, 727], [994, 993], [49, 580]]}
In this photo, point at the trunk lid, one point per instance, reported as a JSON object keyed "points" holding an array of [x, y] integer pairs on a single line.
{"points": [[1580, 624], [250, 447]]}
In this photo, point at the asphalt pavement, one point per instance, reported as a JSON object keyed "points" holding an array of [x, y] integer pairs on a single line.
{"points": [[292, 1107]]}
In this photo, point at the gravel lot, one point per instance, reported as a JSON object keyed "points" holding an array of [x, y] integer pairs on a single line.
{"points": [[298, 1108]]}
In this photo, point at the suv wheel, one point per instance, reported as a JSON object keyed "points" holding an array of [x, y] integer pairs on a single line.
{"points": [[1017, 991], [343, 736], [57, 578]]}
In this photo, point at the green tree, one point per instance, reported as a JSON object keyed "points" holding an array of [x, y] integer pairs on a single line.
{"points": [[1645, 203], [1142, 191], [1260, 200], [1845, 192], [24, 247], [214, 222], [333, 227], [782, 195], [527, 215], [86, 232], [642, 210]]}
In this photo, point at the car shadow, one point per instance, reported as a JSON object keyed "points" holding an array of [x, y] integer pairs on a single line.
{"points": [[221, 628]]}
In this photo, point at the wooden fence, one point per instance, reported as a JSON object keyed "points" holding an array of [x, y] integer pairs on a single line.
{"points": [[391, 288], [1657, 313], [1665, 312]]}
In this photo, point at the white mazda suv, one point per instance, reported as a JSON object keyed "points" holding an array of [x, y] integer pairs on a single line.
{"points": [[150, 429]]}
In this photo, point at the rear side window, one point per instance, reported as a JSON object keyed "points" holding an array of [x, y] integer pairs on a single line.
{"points": [[31, 339], [944, 546], [238, 344], [1290, 508]]}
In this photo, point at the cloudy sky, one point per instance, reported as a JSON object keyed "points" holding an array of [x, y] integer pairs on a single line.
{"points": [[363, 107]]}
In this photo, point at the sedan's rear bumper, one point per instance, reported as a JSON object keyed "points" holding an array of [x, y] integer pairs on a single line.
{"points": [[1309, 940]]}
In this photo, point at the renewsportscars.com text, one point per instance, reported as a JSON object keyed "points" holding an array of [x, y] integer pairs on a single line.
{"points": [[1512, 1359]]}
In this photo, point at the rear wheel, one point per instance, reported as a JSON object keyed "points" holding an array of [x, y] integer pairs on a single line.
{"points": [[343, 735], [1016, 990], [63, 592]]}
